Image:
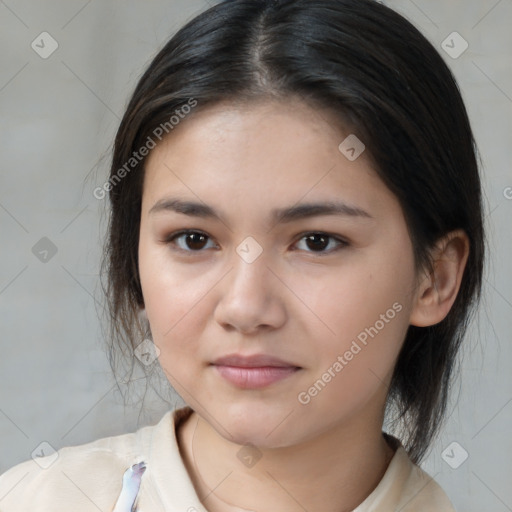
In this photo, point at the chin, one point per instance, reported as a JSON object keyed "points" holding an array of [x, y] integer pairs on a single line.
{"points": [[259, 439], [265, 428]]}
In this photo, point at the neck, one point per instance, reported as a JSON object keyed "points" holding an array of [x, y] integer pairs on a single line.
{"points": [[333, 472]]}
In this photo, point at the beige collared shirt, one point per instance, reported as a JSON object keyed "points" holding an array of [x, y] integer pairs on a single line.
{"points": [[89, 477]]}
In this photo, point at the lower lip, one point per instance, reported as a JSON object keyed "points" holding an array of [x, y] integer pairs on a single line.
{"points": [[254, 378]]}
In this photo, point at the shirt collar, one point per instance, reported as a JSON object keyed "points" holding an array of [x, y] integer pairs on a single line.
{"points": [[401, 483]]}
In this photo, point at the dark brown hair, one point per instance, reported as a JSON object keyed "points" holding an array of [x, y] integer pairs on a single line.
{"points": [[381, 77]]}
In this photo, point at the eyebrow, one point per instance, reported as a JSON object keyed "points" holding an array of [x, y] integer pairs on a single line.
{"points": [[278, 215]]}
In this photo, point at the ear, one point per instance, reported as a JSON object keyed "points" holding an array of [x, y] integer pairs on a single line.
{"points": [[437, 291]]}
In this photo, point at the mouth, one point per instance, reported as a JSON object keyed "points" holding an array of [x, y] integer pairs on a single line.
{"points": [[254, 372]]}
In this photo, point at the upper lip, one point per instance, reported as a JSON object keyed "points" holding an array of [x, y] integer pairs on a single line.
{"points": [[252, 361]]}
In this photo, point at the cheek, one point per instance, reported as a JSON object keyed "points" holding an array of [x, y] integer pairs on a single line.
{"points": [[366, 307], [354, 365], [355, 296], [172, 297]]}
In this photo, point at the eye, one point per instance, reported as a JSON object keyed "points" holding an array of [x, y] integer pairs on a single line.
{"points": [[319, 241], [194, 240]]}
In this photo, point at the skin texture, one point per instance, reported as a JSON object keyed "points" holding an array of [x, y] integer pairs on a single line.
{"points": [[298, 301]]}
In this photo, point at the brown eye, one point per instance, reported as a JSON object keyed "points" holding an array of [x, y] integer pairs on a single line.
{"points": [[318, 242], [192, 241], [195, 241]]}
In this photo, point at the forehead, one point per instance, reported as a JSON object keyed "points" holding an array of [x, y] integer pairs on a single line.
{"points": [[256, 154]]}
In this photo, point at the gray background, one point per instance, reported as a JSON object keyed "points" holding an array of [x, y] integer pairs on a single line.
{"points": [[58, 119]]}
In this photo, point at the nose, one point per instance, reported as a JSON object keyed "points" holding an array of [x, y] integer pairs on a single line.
{"points": [[252, 297]]}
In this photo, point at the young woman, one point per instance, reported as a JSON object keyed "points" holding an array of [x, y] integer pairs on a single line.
{"points": [[296, 233]]}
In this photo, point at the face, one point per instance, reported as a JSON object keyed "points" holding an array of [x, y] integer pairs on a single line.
{"points": [[329, 295]]}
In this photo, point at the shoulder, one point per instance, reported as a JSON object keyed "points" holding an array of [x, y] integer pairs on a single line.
{"points": [[422, 492], [88, 476], [406, 487], [418, 490]]}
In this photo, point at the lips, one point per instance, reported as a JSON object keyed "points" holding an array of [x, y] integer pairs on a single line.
{"points": [[255, 371], [253, 361]]}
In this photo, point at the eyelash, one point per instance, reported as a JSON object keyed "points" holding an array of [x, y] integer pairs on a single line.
{"points": [[341, 243]]}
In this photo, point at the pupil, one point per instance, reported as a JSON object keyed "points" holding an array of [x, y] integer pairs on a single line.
{"points": [[322, 245], [192, 241]]}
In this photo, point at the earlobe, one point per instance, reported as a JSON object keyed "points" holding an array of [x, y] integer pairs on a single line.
{"points": [[438, 290]]}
